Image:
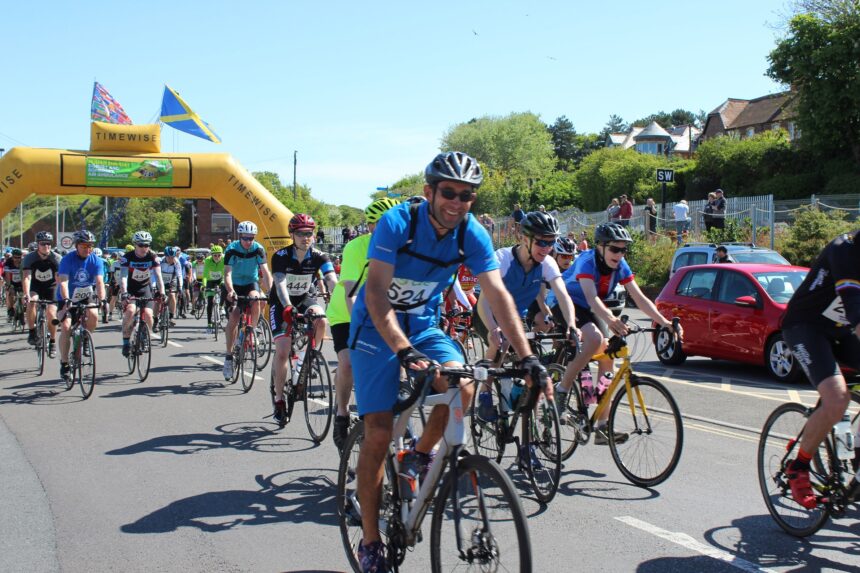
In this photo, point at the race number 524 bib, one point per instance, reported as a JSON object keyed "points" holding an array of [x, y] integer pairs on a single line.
{"points": [[836, 311], [298, 285], [406, 292], [140, 275], [82, 293]]}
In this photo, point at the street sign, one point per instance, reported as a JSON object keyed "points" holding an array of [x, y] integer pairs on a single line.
{"points": [[65, 240], [665, 175]]}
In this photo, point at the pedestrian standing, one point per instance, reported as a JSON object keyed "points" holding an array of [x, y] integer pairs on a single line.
{"points": [[708, 215], [650, 218], [613, 211], [625, 211], [682, 219], [719, 215]]}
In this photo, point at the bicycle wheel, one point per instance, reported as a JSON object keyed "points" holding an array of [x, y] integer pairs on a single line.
{"points": [[132, 351], [143, 351], [247, 360], [263, 336], [164, 326], [489, 436], [573, 422], [73, 365], [478, 521], [42, 346], [237, 356], [544, 436], [478, 348], [318, 395], [777, 446], [86, 364], [199, 306], [216, 320], [655, 433]]}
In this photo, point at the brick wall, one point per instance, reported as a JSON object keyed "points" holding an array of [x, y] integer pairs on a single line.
{"points": [[205, 209]]}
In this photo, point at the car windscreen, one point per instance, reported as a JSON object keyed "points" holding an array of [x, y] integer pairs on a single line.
{"points": [[762, 257], [780, 285]]}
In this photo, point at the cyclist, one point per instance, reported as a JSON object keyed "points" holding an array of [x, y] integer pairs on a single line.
{"points": [[14, 286], [539, 315], [352, 275], [821, 326], [39, 282], [173, 276], [590, 280], [138, 267], [116, 279], [244, 264], [295, 270], [80, 278], [413, 255], [187, 274], [197, 269], [213, 274]]}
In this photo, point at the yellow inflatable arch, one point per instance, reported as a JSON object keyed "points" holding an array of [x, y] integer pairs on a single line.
{"points": [[125, 161]]}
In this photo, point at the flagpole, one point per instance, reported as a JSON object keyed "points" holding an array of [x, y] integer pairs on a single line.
{"points": [[295, 159]]}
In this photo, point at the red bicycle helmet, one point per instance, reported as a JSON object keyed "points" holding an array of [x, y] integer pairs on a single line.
{"points": [[302, 221]]}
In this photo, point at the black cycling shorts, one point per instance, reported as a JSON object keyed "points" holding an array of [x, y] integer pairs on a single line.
{"points": [[43, 291], [583, 317], [820, 350], [276, 314], [340, 336], [142, 292]]}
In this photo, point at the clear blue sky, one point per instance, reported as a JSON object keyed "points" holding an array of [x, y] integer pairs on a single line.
{"points": [[365, 90]]}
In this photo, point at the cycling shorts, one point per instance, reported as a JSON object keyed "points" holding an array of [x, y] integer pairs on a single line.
{"points": [[583, 317], [114, 289], [340, 336], [819, 350], [44, 292], [244, 290], [142, 292], [376, 370], [276, 315]]}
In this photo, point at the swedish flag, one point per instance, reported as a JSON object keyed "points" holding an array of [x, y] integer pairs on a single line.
{"points": [[178, 115]]}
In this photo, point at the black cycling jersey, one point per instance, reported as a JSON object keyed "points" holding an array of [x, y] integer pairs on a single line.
{"points": [[301, 275], [139, 269], [43, 272], [830, 294], [14, 270]]}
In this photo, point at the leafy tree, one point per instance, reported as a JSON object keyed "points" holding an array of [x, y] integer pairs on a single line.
{"points": [[819, 59], [667, 120], [563, 136], [811, 231], [408, 186], [159, 216], [614, 125]]}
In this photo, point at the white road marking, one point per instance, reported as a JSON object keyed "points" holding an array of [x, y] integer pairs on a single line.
{"points": [[794, 395], [688, 542], [718, 389], [176, 344], [221, 363], [725, 384]]}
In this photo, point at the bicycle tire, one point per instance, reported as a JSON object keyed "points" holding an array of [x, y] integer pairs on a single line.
{"points": [[655, 428], [164, 326], [237, 356], [132, 355], [489, 437], [348, 510], [264, 343], [216, 322], [481, 487], [199, 307], [573, 422], [73, 366], [42, 348], [86, 364], [479, 349], [248, 361], [143, 351], [545, 435], [777, 444], [318, 395]]}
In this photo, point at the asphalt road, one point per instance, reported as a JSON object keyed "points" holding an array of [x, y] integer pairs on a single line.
{"points": [[186, 473]]}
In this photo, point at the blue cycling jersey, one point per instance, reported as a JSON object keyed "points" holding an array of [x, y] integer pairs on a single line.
{"points": [[416, 289], [82, 274], [245, 263], [524, 286], [586, 267]]}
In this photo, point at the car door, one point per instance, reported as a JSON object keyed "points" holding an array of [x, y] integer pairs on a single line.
{"points": [[691, 303], [738, 331]]}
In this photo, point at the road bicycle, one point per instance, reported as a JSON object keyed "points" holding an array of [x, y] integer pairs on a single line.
{"points": [[18, 318], [42, 334], [163, 315], [457, 325], [245, 348], [308, 377], [219, 319], [832, 478], [82, 353], [645, 431], [200, 302], [477, 522], [263, 335], [140, 340]]}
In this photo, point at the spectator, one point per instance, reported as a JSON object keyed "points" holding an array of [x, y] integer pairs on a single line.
{"points": [[517, 216], [320, 236], [613, 211], [722, 254], [650, 218], [682, 219], [719, 215], [488, 223], [625, 212], [542, 208], [583, 242], [708, 212], [344, 233]]}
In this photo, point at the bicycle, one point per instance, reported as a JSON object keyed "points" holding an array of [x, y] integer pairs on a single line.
{"points": [[140, 347], [539, 450], [163, 316], [18, 319], [82, 354], [218, 317], [462, 499], [200, 302], [457, 325], [245, 348], [831, 477], [310, 381], [41, 334], [642, 409], [263, 333]]}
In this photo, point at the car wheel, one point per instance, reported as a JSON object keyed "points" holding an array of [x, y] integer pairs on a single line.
{"points": [[669, 352], [779, 362]]}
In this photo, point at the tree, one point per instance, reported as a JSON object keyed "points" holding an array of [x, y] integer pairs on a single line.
{"points": [[158, 216], [614, 125], [563, 136], [819, 59], [667, 120], [407, 186]]}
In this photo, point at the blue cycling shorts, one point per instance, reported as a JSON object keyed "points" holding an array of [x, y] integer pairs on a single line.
{"points": [[376, 370]]}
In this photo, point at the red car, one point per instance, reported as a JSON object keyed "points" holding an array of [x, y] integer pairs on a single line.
{"points": [[732, 312]]}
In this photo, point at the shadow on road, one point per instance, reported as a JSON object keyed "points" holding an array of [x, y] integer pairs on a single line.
{"points": [[284, 497], [42, 392], [198, 388]]}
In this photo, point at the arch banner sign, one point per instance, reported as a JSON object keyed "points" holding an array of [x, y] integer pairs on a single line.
{"points": [[103, 172]]}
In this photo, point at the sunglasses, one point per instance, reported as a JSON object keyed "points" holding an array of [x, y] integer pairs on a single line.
{"points": [[304, 234], [616, 250], [544, 243], [246, 238], [144, 245], [465, 196], [45, 244]]}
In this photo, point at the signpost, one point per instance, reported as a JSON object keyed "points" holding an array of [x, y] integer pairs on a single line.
{"points": [[664, 176], [65, 240]]}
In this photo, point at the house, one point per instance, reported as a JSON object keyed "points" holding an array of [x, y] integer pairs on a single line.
{"points": [[653, 139], [744, 118]]}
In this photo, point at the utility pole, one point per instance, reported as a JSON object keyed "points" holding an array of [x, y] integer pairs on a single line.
{"points": [[295, 159], [3, 219]]}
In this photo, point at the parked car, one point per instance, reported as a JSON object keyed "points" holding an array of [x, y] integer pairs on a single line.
{"points": [[732, 312], [704, 253]]}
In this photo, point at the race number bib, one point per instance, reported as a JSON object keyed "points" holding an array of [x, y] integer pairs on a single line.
{"points": [[16, 275], [213, 276], [82, 293], [298, 285], [45, 276], [836, 311], [140, 275], [406, 292]]}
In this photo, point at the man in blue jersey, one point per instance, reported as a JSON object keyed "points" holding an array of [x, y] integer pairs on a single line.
{"points": [[80, 279], [244, 263], [413, 255]]}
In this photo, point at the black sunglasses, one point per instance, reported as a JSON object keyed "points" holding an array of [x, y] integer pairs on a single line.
{"points": [[47, 244], [544, 243], [246, 238], [145, 245], [616, 250], [465, 196]]}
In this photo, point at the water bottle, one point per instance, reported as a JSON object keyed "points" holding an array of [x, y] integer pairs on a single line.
{"points": [[603, 383], [405, 481], [844, 438], [297, 366], [587, 387], [516, 392]]}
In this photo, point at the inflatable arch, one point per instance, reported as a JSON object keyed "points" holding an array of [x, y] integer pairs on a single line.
{"points": [[124, 161]]}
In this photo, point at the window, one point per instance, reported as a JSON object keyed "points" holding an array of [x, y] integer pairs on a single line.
{"points": [[690, 258], [735, 285], [651, 148], [750, 131], [222, 223], [697, 284], [780, 286], [791, 132]]}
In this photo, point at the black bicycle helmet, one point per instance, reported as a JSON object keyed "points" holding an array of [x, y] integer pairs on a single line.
{"points": [[84, 236], [608, 232], [43, 236], [538, 223], [454, 166], [564, 246]]}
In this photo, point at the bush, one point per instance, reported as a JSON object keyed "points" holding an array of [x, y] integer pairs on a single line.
{"points": [[651, 262], [810, 233]]}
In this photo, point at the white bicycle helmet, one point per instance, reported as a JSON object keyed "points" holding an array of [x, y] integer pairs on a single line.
{"points": [[97, 252], [246, 228], [141, 237]]}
